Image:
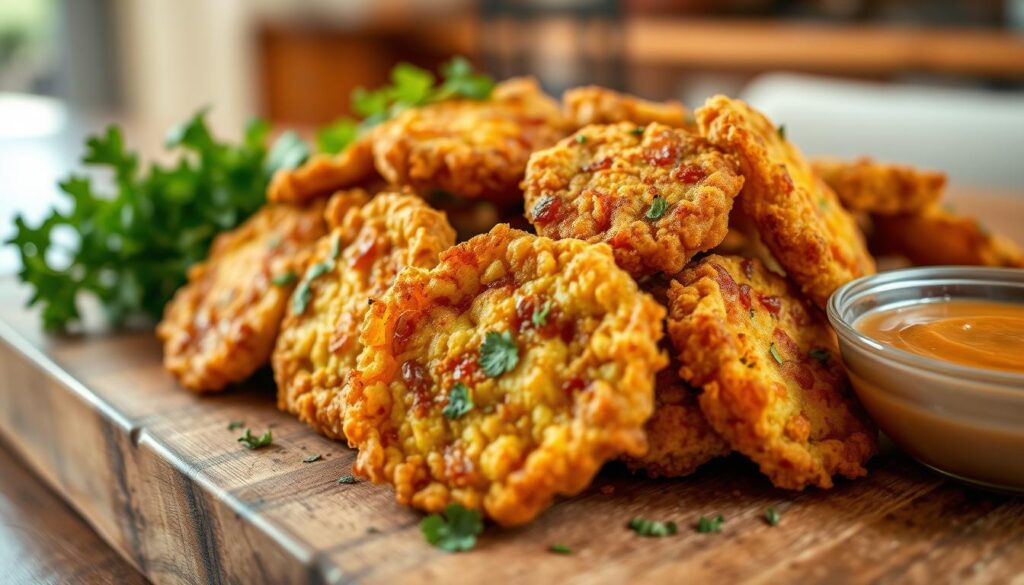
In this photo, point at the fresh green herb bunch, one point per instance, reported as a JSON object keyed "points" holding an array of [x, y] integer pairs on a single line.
{"points": [[131, 247], [410, 86]]}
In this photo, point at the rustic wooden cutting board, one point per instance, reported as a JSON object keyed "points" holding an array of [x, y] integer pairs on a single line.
{"points": [[156, 472]]}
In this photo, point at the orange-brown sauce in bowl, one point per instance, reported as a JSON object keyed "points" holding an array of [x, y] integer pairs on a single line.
{"points": [[974, 333]]}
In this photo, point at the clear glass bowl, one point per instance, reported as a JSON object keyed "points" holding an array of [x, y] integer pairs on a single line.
{"points": [[961, 421]]}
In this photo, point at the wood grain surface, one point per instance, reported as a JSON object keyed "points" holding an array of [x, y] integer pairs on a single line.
{"points": [[157, 474]]}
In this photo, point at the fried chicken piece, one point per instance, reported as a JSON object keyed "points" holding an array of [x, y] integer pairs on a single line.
{"points": [[220, 327], [936, 236], [885, 189], [798, 217], [323, 174], [774, 385], [597, 105], [504, 376], [472, 149], [657, 196], [679, 437], [353, 265]]}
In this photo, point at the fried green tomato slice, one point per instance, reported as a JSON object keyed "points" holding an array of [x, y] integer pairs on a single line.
{"points": [[318, 345], [864, 185], [469, 148], [657, 195], [936, 236], [597, 105], [220, 327], [504, 376], [324, 174], [797, 215], [774, 385]]}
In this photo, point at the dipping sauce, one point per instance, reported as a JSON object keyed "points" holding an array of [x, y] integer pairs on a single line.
{"points": [[975, 333]]}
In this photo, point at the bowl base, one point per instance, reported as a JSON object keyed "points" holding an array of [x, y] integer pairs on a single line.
{"points": [[991, 487]]}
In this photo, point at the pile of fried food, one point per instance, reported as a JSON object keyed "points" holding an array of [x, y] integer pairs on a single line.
{"points": [[667, 310]]}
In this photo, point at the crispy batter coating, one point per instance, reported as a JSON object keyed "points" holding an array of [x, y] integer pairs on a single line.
{"points": [[774, 385], [220, 327], [881, 188], [597, 105], [323, 174], [584, 350], [472, 149], [679, 437], [798, 217], [657, 197], [319, 341], [936, 237]]}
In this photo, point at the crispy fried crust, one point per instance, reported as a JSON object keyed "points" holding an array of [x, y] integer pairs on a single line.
{"points": [[220, 327], [579, 394], [323, 174], [596, 105], [769, 365], [679, 437], [881, 188], [600, 185], [799, 217], [317, 348], [473, 149], [936, 236]]}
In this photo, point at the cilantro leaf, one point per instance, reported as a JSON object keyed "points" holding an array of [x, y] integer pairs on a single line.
{"points": [[312, 458], [336, 136], [348, 479], [455, 531], [653, 528], [540, 316], [284, 279], [459, 402], [460, 81], [560, 549], [252, 442], [235, 425], [772, 517], [658, 207], [288, 152], [498, 353]]}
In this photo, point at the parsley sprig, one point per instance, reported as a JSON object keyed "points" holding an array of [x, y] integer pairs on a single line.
{"points": [[410, 86], [130, 247], [498, 353], [653, 528], [455, 531], [250, 441]]}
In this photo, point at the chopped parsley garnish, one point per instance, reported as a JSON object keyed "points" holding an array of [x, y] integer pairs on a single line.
{"points": [[312, 458], [454, 531], [303, 293], [459, 402], [707, 525], [581, 138], [782, 131], [775, 353], [348, 479], [658, 207], [288, 151], [653, 528], [820, 355], [284, 279], [560, 549], [498, 353], [336, 136], [771, 516], [235, 425], [251, 442], [540, 315], [638, 130]]}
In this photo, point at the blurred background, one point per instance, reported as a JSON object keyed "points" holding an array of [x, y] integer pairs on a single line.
{"points": [[938, 83]]}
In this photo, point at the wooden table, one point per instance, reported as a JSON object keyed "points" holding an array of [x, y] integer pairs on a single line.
{"points": [[156, 473]]}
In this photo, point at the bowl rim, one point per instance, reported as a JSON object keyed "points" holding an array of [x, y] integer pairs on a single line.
{"points": [[906, 278]]}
